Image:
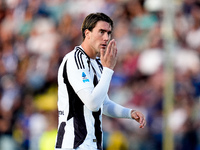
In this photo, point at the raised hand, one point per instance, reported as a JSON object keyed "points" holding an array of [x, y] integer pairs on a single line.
{"points": [[109, 57]]}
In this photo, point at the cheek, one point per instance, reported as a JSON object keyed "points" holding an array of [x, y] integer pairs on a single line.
{"points": [[97, 39]]}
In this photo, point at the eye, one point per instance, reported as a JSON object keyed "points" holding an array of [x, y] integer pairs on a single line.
{"points": [[101, 31], [109, 33]]}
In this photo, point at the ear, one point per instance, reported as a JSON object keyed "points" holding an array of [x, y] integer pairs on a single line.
{"points": [[87, 33]]}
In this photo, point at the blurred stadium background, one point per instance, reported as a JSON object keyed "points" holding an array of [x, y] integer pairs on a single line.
{"points": [[36, 34]]}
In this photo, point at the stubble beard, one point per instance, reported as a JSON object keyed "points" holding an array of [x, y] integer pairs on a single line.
{"points": [[98, 54]]}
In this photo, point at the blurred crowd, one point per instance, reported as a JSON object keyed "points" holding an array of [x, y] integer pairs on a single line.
{"points": [[36, 34]]}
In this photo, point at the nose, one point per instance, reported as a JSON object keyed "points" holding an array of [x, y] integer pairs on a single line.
{"points": [[106, 37]]}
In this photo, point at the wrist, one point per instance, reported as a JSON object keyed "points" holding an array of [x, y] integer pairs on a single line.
{"points": [[132, 111], [108, 70]]}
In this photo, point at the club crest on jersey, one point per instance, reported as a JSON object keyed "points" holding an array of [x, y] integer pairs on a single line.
{"points": [[85, 79]]}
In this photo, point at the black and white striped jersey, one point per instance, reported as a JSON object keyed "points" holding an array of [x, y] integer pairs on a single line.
{"points": [[78, 126]]}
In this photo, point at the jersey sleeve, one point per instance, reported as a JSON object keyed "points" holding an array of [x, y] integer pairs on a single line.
{"points": [[79, 73], [115, 110], [93, 98]]}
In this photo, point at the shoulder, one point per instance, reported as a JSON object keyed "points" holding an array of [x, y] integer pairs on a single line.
{"points": [[76, 54], [79, 58], [76, 59]]}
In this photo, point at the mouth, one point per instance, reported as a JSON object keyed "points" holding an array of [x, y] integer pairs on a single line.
{"points": [[103, 46]]}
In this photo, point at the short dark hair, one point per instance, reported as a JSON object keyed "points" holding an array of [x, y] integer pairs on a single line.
{"points": [[91, 20]]}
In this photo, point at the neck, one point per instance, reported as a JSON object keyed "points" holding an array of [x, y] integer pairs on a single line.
{"points": [[88, 50]]}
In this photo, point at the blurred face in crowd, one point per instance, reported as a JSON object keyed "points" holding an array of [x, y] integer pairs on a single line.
{"points": [[99, 37]]}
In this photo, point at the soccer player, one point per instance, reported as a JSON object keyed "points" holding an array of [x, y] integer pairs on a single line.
{"points": [[83, 81]]}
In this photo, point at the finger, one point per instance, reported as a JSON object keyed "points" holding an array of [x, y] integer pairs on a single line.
{"points": [[112, 47], [141, 116], [109, 47], [115, 48], [134, 116], [138, 116], [141, 119], [143, 123], [141, 126]]}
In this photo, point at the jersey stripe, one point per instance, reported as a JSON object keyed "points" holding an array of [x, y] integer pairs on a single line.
{"points": [[76, 111], [61, 132], [82, 60], [97, 123], [98, 132], [100, 65], [78, 58], [78, 48]]}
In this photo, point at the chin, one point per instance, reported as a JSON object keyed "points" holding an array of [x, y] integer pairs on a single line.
{"points": [[98, 54]]}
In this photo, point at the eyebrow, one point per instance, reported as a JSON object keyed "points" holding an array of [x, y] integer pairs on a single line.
{"points": [[109, 32]]}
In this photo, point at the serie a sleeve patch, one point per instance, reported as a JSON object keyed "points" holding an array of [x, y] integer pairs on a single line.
{"points": [[85, 79]]}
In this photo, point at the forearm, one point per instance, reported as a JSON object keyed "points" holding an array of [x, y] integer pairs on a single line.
{"points": [[115, 110], [94, 97]]}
